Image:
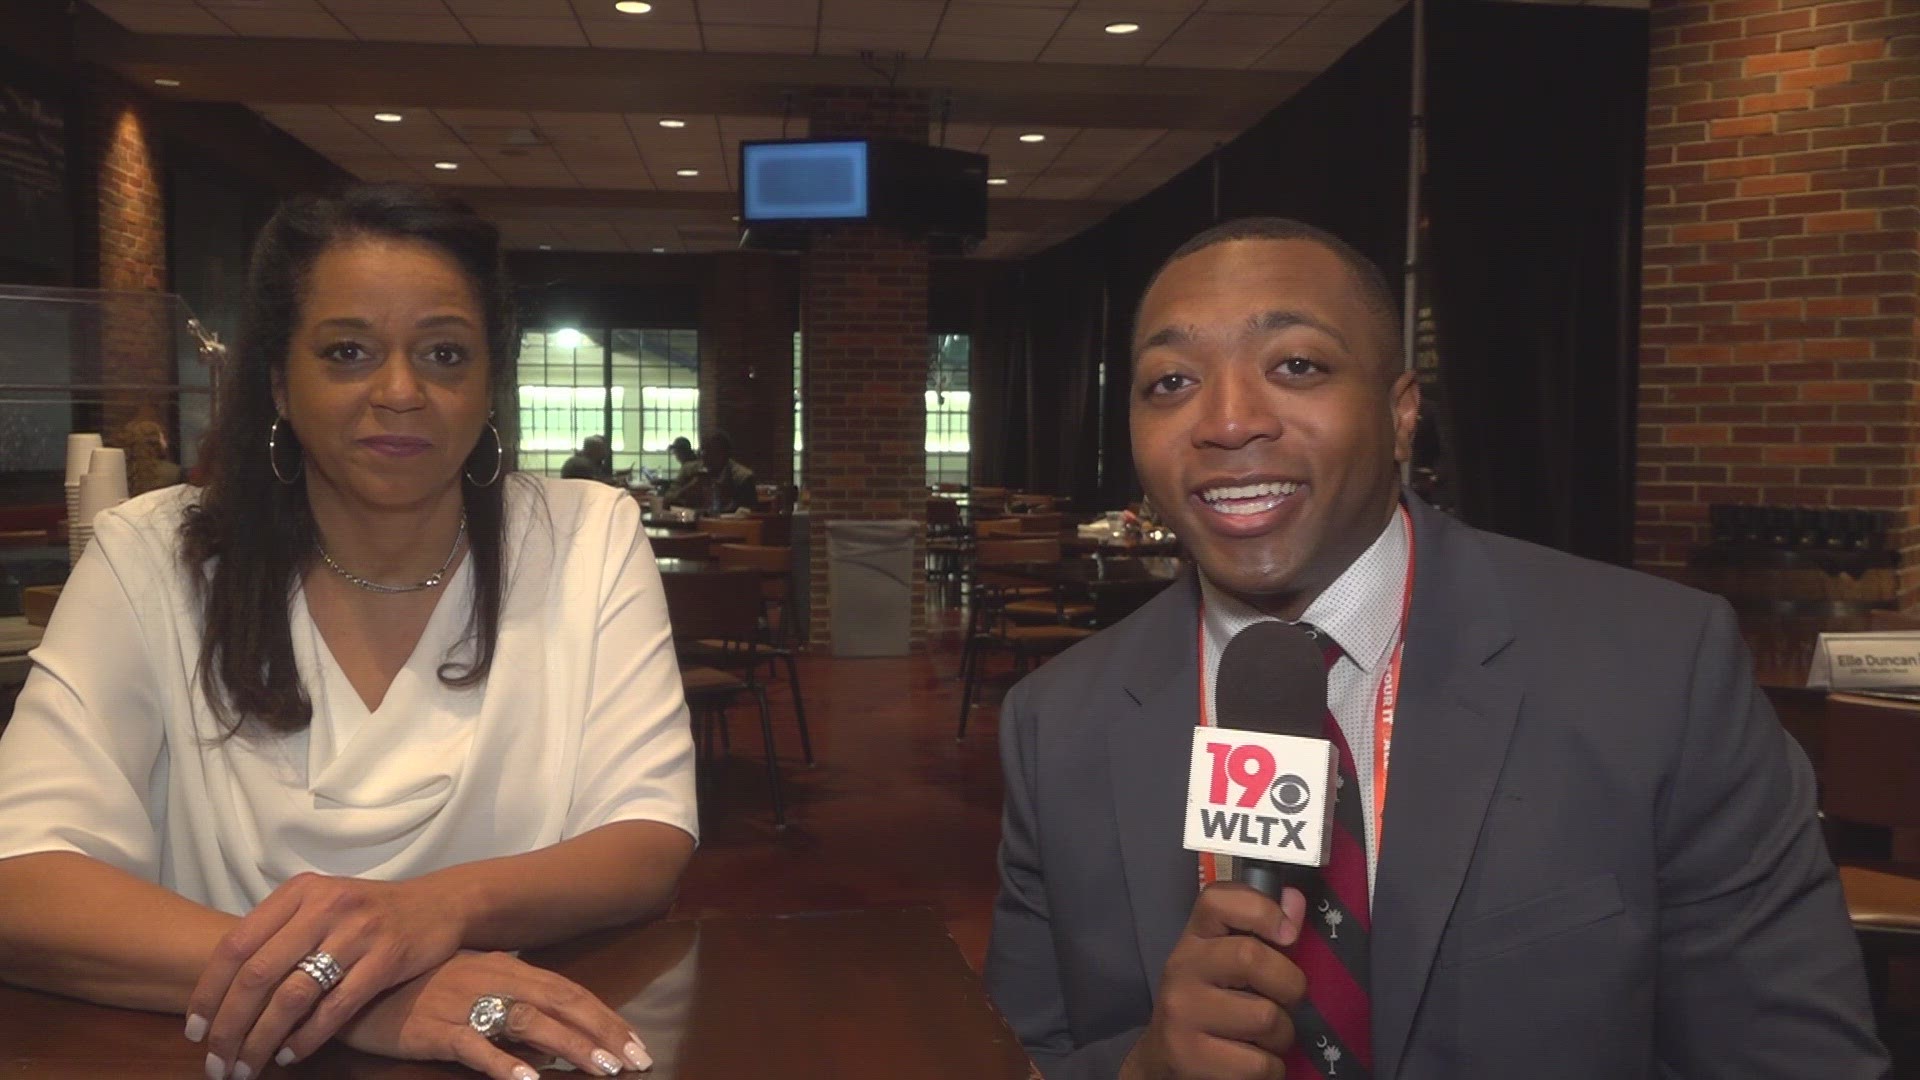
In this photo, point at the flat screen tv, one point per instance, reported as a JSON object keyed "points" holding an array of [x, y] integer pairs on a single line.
{"points": [[793, 186], [804, 180]]}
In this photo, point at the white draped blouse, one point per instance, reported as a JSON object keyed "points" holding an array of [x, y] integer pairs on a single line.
{"points": [[113, 752]]}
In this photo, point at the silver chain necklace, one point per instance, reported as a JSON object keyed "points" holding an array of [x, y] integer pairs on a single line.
{"points": [[432, 580]]}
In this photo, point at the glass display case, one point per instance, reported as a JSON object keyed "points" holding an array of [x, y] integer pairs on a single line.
{"points": [[135, 369]]}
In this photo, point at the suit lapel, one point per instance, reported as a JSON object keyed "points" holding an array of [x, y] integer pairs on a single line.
{"points": [[1456, 716], [1148, 745]]}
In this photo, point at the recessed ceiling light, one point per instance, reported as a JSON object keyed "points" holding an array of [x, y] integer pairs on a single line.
{"points": [[672, 122], [996, 181], [659, 251], [632, 7], [1123, 28], [686, 172], [388, 117], [1033, 136], [447, 166], [169, 83], [546, 247]]}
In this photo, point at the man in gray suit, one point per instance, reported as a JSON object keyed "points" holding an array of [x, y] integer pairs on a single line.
{"points": [[1599, 856]]}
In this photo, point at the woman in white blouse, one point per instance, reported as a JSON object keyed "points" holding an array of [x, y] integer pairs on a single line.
{"points": [[305, 748]]}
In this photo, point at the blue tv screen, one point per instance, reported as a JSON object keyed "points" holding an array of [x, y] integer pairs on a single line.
{"points": [[803, 181]]}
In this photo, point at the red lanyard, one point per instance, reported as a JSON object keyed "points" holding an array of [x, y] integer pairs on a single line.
{"points": [[1386, 703]]}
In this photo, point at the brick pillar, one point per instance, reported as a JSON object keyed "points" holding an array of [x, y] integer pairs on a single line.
{"points": [[865, 317], [747, 320], [123, 246], [1778, 360]]}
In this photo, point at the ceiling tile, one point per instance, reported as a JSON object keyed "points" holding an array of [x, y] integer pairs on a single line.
{"points": [[1001, 21], [911, 16], [388, 7], [302, 7], [883, 43], [1302, 58], [510, 9], [759, 39], [668, 11], [701, 134], [635, 178], [1277, 7], [145, 17], [425, 29], [642, 34], [1333, 30], [503, 31], [1363, 7], [802, 13], [998, 50], [1224, 27], [277, 24]]}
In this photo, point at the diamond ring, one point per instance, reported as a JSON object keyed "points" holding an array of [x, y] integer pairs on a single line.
{"points": [[489, 1015], [323, 969]]}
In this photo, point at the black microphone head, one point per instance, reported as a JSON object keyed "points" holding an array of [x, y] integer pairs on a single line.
{"points": [[1273, 678]]}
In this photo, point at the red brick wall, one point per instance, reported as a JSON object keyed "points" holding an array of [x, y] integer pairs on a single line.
{"points": [[1778, 362], [864, 313], [123, 245], [746, 360]]}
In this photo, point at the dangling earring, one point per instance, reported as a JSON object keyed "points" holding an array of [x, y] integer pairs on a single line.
{"points": [[273, 455], [499, 459]]}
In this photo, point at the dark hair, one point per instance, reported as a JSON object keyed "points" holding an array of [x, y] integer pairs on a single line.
{"points": [[719, 440], [249, 537], [1375, 293]]}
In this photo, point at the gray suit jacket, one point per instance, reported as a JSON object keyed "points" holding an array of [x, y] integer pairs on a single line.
{"points": [[1600, 854]]}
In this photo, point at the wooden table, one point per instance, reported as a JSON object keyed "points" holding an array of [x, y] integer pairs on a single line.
{"points": [[806, 997]]}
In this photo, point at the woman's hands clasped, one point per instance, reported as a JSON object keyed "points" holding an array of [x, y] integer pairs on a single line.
{"points": [[428, 1019], [254, 1003]]}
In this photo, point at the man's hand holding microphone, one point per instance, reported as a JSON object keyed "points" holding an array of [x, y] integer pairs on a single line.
{"points": [[1227, 993]]}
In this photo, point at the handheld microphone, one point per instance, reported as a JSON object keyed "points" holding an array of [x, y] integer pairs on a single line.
{"points": [[1262, 781]]}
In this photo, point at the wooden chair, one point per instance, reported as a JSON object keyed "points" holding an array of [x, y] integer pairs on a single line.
{"points": [[1868, 758], [726, 530], [993, 588], [776, 643], [946, 544], [727, 606], [693, 545], [1044, 524]]}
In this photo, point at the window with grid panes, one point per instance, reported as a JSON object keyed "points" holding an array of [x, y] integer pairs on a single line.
{"points": [[949, 445], [640, 388]]}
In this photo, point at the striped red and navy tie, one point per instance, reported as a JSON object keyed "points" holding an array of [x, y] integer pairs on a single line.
{"points": [[1333, 1027]]}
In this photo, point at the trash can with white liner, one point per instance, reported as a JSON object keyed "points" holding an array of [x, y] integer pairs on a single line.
{"points": [[870, 586]]}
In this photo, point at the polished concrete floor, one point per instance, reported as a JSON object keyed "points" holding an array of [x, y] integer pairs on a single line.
{"points": [[894, 813]]}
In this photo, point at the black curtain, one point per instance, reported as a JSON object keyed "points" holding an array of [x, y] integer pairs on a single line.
{"points": [[1335, 155], [1536, 125]]}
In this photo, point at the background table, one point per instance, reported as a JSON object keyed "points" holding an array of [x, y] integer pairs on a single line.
{"points": [[804, 997]]}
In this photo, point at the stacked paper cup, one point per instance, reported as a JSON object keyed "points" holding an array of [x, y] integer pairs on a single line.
{"points": [[104, 487], [80, 448]]}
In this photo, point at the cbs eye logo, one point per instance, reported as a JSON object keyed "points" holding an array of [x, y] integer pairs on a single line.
{"points": [[1289, 794]]}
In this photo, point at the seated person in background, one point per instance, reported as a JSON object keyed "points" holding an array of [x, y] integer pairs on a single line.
{"points": [[687, 462], [148, 469], [720, 485], [1595, 855], [593, 461], [261, 773]]}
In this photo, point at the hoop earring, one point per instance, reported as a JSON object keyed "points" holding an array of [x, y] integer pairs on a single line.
{"points": [[499, 459], [273, 454]]}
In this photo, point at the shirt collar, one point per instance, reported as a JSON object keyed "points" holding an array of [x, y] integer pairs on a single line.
{"points": [[1360, 610]]}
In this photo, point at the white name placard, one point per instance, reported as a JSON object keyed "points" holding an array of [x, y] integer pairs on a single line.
{"points": [[1866, 661]]}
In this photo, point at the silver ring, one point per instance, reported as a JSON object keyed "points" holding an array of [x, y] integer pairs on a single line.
{"points": [[489, 1015], [322, 968]]}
